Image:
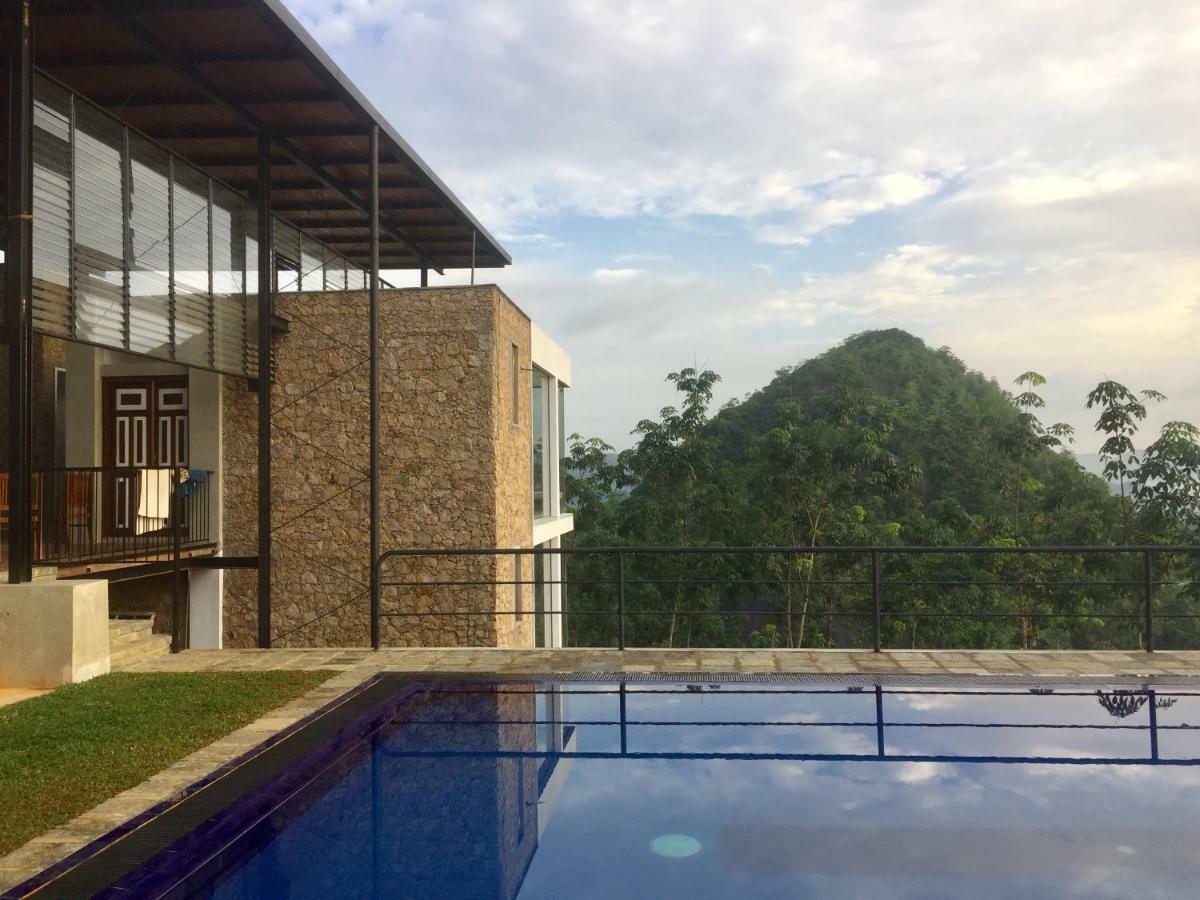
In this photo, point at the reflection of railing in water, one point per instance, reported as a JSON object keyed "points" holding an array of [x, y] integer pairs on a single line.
{"points": [[92, 514], [1151, 699]]}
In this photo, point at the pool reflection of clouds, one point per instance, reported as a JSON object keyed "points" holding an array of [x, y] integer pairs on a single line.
{"points": [[905, 828]]}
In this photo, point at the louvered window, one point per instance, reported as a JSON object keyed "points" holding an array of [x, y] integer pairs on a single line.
{"points": [[150, 242], [51, 216], [137, 250]]}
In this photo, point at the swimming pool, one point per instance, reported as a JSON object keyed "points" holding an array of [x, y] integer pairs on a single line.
{"points": [[811, 787]]}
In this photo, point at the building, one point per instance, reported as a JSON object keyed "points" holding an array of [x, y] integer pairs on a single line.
{"points": [[184, 189]]}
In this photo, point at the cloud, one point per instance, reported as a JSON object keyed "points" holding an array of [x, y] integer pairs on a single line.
{"points": [[615, 276], [1020, 182]]}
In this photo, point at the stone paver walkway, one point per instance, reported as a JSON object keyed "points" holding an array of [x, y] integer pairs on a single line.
{"points": [[354, 666], [824, 662]]}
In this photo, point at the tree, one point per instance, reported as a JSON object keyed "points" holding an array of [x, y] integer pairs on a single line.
{"points": [[1121, 410], [1031, 437], [816, 478], [677, 501], [1166, 485]]}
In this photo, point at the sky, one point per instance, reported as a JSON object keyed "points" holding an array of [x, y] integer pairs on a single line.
{"points": [[741, 186]]}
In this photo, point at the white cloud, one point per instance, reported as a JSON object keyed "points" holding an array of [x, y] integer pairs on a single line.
{"points": [[614, 276], [1020, 182]]}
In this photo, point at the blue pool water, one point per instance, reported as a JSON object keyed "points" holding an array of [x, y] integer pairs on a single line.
{"points": [[745, 790]]}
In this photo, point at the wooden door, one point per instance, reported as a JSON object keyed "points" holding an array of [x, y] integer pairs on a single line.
{"points": [[145, 427]]}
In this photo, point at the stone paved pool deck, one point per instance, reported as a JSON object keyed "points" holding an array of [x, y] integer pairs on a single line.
{"points": [[352, 667]]}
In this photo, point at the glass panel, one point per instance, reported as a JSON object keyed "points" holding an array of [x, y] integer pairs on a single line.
{"points": [[312, 264], [356, 278], [287, 257], [229, 299], [335, 271], [99, 241], [562, 441], [150, 266], [541, 444], [51, 210], [251, 348], [193, 303]]}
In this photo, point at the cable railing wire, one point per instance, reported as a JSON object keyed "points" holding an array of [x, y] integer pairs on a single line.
{"points": [[827, 597]]}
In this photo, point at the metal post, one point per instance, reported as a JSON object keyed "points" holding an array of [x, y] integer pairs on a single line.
{"points": [[18, 283], [620, 601], [1148, 592], [876, 598], [424, 276], [373, 351], [1153, 724], [176, 569], [264, 390]]}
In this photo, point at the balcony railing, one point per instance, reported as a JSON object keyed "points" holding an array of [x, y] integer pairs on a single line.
{"points": [[86, 515], [877, 597]]}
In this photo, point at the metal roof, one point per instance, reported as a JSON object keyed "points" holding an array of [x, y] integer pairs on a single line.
{"points": [[203, 77]]}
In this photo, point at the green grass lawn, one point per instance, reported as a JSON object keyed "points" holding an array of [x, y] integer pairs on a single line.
{"points": [[65, 752]]}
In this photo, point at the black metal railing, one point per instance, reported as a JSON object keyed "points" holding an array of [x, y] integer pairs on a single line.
{"points": [[1014, 597], [91, 514]]}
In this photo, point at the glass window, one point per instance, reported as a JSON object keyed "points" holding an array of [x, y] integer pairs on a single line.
{"points": [[193, 300], [541, 443], [516, 385], [99, 229], [251, 229], [228, 274], [312, 264], [287, 257], [51, 210], [562, 439], [150, 241]]}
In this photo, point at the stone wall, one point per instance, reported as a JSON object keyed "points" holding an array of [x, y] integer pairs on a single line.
{"points": [[514, 474], [454, 470]]}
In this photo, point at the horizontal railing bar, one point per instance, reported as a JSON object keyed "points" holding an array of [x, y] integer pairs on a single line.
{"points": [[689, 582], [836, 550], [813, 614]]}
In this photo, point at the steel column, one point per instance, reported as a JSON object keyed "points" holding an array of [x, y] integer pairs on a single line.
{"points": [[264, 391], [18, 284], [373, 350]]}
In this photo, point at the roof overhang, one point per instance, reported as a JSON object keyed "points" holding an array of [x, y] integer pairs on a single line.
{"points": [[205, 77]]}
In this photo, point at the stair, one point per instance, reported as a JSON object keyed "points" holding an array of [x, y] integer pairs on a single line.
{"points": [[131, 640]]}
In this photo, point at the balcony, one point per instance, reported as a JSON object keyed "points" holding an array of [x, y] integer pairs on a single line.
{"points": [[90, 519]]}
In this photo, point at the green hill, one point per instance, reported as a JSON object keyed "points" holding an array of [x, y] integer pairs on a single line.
{"points": [[953, 423]]}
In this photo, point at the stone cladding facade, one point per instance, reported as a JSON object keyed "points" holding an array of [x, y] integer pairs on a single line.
{"points": [[455, 470]]}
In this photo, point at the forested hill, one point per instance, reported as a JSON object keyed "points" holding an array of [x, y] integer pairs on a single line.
{"points": [[958, 427], [879, 441]]}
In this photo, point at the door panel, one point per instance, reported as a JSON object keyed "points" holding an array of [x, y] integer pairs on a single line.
{"points": [[145, 426]]}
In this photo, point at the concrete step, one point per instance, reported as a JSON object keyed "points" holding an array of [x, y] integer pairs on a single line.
{"points": [[137, 651], [124, 639], [121, 625]]}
